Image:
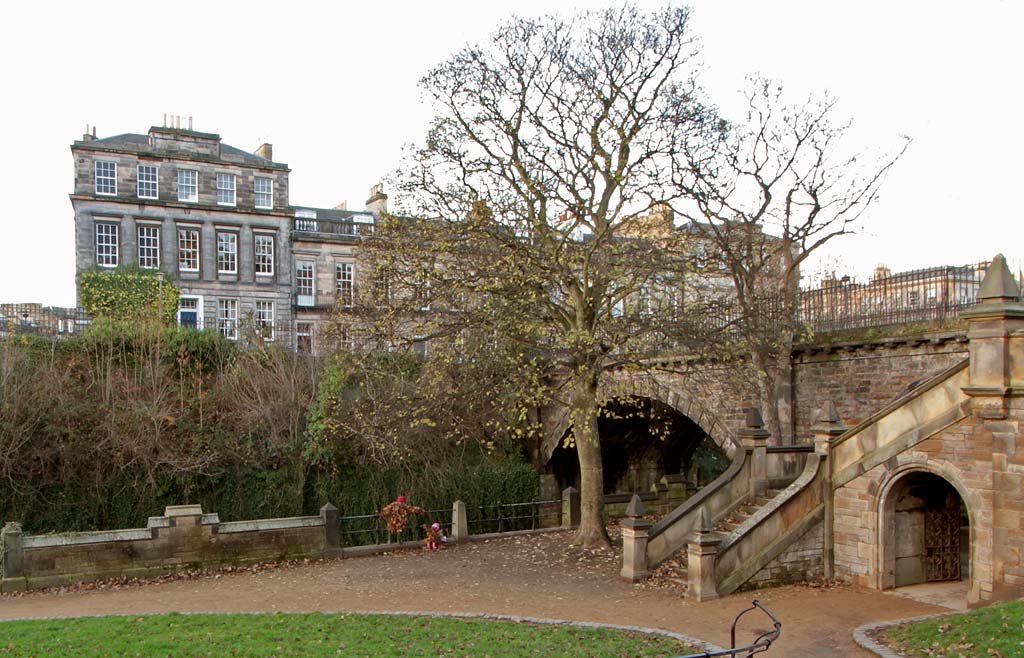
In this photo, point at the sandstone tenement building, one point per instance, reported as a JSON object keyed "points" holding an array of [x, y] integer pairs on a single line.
{"points": [[217, 221]]}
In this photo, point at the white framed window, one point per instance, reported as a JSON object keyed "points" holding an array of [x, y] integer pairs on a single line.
{"points": [[263, 192], [147, 186], [188, 185], [382, 288], [106, 244], [344, 282], [225, 189], [264, 317], [227, 252], [345, 339], [227, 318], [190, 312], [304, 337], [188, 249], [263, 254], [106, 177], [305, 282], [149, 247]]}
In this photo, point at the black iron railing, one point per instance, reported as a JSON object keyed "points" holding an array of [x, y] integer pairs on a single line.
{"points": [[762, 642], [506, 517]]}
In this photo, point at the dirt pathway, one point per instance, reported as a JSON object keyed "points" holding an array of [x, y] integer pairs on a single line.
{"points": [[538, 576]]}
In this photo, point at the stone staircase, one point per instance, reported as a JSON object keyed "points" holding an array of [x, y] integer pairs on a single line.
{"points": [[744, 512], [675, 570]]}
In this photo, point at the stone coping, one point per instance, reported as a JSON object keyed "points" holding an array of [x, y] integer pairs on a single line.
{"points": [[94, 537], [861, 633], [698, 644], [270, 524], [140, 534]]}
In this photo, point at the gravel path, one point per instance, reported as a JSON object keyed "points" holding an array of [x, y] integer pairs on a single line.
{"points": [[538, 576]]}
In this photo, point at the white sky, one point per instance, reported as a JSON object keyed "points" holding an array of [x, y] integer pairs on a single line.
{"points": [[333, 86]]}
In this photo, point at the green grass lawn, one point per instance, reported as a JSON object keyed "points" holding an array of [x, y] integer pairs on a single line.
{"points": [[996, 631], [318, 634]]}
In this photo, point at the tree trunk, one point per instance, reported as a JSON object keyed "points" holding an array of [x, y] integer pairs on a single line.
{"points": [[588, 449], [767, 386]]}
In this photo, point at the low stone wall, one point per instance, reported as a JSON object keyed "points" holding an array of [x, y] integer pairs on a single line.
{"points": [[183, 537], [802, 561], [668, 494]]}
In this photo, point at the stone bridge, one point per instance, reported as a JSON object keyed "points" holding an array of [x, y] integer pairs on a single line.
{"points": [[914, 474], [859, 377]]}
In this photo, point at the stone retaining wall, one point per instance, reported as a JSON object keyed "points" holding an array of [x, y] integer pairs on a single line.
{"points": [[182, 538], [800, 562]]}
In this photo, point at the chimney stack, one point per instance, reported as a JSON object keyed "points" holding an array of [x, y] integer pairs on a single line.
{"points": [[378, 201], [87, 137], [266, 151], [342, 206]]}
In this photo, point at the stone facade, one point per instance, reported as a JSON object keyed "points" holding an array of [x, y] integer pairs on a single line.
{"points": [[217, 221], [152, 201]]}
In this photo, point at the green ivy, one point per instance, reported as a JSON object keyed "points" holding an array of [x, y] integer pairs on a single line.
{"points": [[127, 293]]}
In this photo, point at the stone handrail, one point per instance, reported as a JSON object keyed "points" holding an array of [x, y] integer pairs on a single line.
{"points": [[934, 405], [720, 497], [773, 528]]}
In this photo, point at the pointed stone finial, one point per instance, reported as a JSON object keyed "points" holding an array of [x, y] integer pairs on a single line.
{"points": [[826, 427], [635, 510], [704, 522], [998, 284], [828, 413]]}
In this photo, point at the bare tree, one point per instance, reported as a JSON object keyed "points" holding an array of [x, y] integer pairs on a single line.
{"points": [[540, 195], [765, 198]]}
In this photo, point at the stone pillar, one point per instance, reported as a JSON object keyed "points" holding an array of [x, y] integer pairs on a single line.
{"points": [[332, 531], [634, 541], [12, 551], [996, 343], [460, 527], [702, 551], [571, 508], [826, 429], [754, 438]]}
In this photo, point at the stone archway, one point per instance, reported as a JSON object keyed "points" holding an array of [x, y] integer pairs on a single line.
{"points": [[556, 426], [926, 528]]}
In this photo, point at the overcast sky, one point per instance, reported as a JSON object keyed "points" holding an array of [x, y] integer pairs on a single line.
{"points": [[333, 86]]}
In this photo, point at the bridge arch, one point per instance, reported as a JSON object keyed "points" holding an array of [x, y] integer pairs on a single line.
{"points": [[651, 387]]}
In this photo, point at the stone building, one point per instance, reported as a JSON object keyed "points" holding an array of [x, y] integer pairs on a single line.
{"points": [[216, 221]]}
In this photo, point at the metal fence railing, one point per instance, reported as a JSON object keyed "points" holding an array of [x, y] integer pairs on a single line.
{"points": [[369, 529], [506, 517], [934, 294]]}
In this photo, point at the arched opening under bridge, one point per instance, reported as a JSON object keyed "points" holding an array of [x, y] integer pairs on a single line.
{"points": [[642, 440]]}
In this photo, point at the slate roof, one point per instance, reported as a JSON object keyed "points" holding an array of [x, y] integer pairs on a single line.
{"points": [[137, 143]]}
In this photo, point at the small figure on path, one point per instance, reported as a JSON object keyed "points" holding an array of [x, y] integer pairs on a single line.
{"points": [[396, 514], [435, 535]]}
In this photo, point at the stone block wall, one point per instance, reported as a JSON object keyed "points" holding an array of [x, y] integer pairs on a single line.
{"points": [[799, 563], [183, 538], [861, 378], [979, 459]]}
